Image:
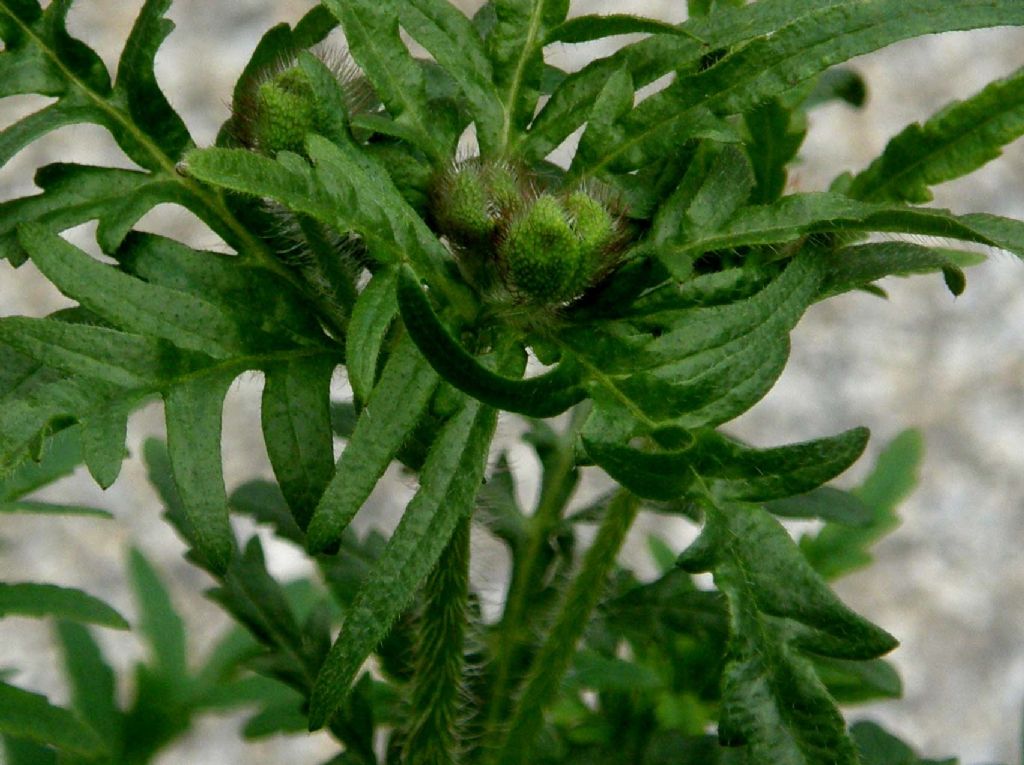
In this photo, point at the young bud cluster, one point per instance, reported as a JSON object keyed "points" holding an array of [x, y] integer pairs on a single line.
{"points": [[544, 248]]}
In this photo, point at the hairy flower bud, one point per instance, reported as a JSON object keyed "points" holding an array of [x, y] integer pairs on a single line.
{"points": [[284, 111], [541, 253]]}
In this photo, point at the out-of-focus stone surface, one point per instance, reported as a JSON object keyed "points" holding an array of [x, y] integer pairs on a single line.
{"points": [[949, 583]]}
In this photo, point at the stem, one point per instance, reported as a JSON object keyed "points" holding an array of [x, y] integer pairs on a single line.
{"points": [[559, 481], [556, 653], [436, 694]]}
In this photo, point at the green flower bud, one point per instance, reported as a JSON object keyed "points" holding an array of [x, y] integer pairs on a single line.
{"points": [[284, 111], [541, 254], [462, 207]]}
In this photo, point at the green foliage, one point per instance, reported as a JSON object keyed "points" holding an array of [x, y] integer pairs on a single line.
{"points": [[656, 278]]}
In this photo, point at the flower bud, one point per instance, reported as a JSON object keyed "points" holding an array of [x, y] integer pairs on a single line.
{"points": [[284, 111], [541, 254]]}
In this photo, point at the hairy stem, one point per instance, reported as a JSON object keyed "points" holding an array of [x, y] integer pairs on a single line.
{"points": [[434, 736], [556, 653], [559, 481]]}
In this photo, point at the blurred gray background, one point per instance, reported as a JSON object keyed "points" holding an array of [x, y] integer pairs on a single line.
{"points": [[949, 583]]}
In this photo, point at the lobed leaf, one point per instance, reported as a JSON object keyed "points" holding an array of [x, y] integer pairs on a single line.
{"points": [[812, 39], [954, 142], [193, 414], [372, 316], [43, 600], [837, 549], [24, 714], [297, 430], [129, 303], [449, 482], [395, 407], [450, 37], [772, 700], [515, 47], [371, 32], [92, 681]]}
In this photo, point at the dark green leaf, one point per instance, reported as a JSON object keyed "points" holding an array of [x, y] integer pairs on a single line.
{"points": [[136, 81], [371, 32], [543, 396], [297, 430], [772, 699], [131, 304], [449, 482], [853, 267], [264, 503], [42, 600], [106, 355], [737, 472], [776, 134], [450, 37], [585, 28], [73, 194], [30, 715], [811, 41], [956, 141], [372, 316], [515, 46], [103, 436], [395, 407], [193, 414]]}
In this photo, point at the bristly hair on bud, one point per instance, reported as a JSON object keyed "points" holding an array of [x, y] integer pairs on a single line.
{"points": [[276, 107]]}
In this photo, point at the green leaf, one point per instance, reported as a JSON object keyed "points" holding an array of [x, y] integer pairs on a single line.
{"points": [[106, 355], [297, 430], [855, 682], [92, 681], [374, 311], [813, 39], [159, 622], [42, 600], [129, 303], [733, 471], [73, 194], [602, 673], [798, 215], [450, 37], [879, 747], [371, 32], [772, 700], [776, 135], [954, 142], [136, 82], [837, 549], [858, 266], [193, 414], [515, 46], [543, 396], [269, 314], [449, 482], [103, 441], [825, 503], [62, 453], [594, 27], [395, 407], [717, 182], [29, 715], [264, 503]]}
